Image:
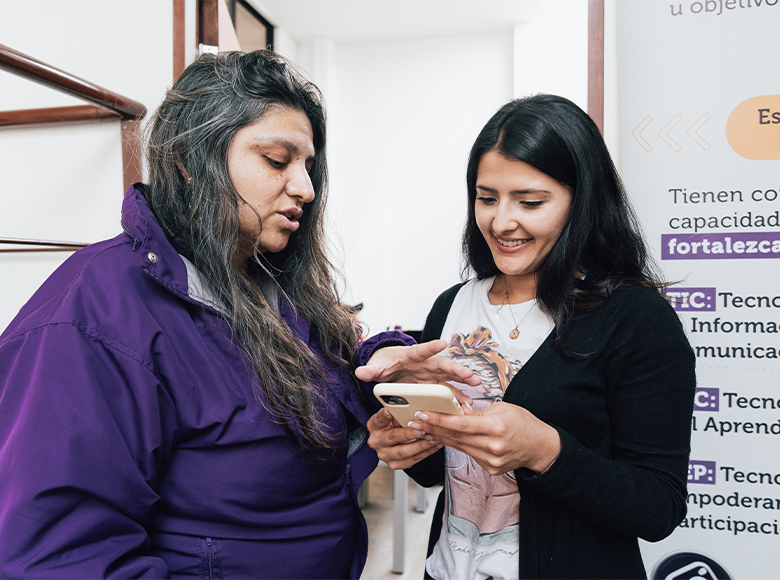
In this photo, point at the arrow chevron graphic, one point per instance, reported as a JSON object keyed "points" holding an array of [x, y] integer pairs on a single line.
{"points": [[664, 133], [637, 133], [693, 132]]}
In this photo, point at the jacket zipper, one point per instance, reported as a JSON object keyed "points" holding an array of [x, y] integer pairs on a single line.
{"points": [[210, 557]]}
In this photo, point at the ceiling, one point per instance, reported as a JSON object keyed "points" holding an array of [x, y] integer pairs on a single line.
{"points": [[347, 21]]}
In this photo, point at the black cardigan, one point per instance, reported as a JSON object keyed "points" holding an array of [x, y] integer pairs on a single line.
{"points": [[624, 417]]}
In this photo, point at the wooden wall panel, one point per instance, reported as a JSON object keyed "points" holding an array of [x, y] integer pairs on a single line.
{"points": [[596, 62], [178, 38]]}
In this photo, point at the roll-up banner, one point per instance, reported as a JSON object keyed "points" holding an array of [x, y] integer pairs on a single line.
{"points": [[700, 91]]}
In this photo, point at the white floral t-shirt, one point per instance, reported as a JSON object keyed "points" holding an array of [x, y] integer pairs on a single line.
{"points": [[480, 535]]}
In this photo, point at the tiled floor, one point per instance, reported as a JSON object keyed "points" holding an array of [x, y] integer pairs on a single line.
{"points": [[379, 516]]}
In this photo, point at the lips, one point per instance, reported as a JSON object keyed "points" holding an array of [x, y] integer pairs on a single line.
{"points": [[511, 245], [290, 218], [293, 213]]}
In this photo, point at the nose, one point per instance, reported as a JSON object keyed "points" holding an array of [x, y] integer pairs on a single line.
{"points": [[505, 219], [299, 184]]}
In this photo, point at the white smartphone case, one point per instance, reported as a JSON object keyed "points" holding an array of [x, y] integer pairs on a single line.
{"points": [[403, 400]]}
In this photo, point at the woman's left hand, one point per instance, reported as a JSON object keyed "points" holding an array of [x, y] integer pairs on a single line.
{"points": [[397, 446], [500, 438], [415, 364]]}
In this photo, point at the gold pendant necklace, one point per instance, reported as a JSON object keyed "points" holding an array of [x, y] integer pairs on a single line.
{"points": [[515, 332]]}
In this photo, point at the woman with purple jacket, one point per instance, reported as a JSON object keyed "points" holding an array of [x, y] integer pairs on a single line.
{"points": [[182, 400]]}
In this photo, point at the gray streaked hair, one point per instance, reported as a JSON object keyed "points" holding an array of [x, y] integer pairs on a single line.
{"points": [[193, 197]]}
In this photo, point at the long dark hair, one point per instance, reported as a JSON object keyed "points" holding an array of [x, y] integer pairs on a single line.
{"points": [[191, 194], [601, 239]]}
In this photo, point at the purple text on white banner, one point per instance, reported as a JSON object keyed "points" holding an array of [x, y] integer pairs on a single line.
{"points": [[692, 299], [742, 246], [707, 399], [701, 472]]}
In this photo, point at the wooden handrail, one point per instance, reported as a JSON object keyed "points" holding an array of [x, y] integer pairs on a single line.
{"points": [[107, 104], [40, 245], [30, 68], [56, 115]]}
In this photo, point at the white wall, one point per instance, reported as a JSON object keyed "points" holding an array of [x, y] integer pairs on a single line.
{"points": [[403, 115], [65, 183], [551, 51]]}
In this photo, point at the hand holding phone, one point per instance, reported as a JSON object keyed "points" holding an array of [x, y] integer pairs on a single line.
{"points": [[403, 400]]}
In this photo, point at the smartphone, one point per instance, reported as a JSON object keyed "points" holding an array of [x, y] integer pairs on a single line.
{"points": [[403, 400]]}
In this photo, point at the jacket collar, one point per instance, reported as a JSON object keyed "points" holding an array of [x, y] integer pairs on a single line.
{"points": [[160, 260], [156, 256]]}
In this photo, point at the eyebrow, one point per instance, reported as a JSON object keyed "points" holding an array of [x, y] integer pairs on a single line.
{"points": [[514, 191], [289, 145]]}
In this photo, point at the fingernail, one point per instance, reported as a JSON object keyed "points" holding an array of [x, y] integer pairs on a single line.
{"points": [[418, 433], [414, 425], [429, 438], [387, 413], [420, 415], [468, 405]]}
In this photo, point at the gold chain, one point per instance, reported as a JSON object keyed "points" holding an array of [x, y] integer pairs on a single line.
{"points": [[515, 332]]}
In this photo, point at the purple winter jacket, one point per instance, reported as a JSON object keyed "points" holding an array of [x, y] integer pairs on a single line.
{"points": [[131, 444]]}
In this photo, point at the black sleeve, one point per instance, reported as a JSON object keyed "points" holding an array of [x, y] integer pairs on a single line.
{"points": [[639, 488]]}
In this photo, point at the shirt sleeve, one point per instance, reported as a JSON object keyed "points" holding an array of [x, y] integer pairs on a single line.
{"points": [[368, 347], [86, 430], [637, 486]]}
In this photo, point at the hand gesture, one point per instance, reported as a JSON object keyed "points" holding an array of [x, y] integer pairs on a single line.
{"points": [[415, 364]]}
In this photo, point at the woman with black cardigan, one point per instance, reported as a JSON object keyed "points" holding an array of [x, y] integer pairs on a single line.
{"points": [[577, 441]]}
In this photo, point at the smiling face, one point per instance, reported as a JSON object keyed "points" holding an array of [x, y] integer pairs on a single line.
{"points": [[521, 213], [269, 163]]}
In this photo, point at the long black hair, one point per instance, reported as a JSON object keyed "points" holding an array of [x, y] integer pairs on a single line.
{"points": [[601, 239], [193, 197]]}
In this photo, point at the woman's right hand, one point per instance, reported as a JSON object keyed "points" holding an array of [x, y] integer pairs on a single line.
{"points": [[500, 438], [399, 447]]}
